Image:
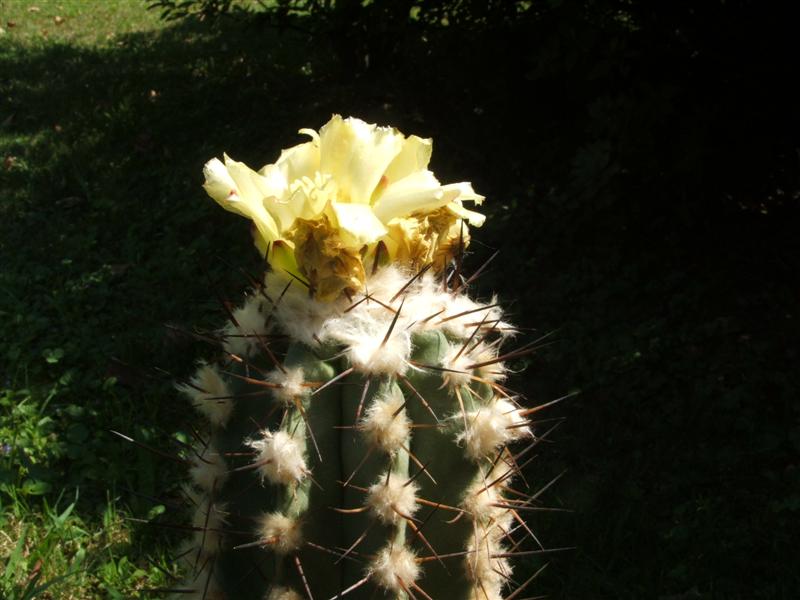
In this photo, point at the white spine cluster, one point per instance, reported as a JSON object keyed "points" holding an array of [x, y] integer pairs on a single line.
{"points": [[363, 323], [283, 534], [209, 395], [395, 569], [457, 363], [392, 499], [492, 426], [488, 573], [208, 470], [491, 521], [291, 385], [280, 458], [242, 340], [368, 348], [385, 424]]}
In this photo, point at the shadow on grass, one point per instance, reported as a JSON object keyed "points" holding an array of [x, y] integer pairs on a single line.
{"points": [[675, 305]]}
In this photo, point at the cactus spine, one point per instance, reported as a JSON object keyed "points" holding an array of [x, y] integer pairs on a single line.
{"points": [[356, 444]]}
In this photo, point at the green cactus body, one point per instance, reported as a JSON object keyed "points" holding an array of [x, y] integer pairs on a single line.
{"points": [[368, 459]]}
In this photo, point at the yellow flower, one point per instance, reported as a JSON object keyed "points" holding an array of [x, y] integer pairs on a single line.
{"points": [[330, 206]]}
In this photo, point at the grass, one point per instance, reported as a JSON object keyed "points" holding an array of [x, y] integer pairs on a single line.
{"points": [[76, 22], [681, 449]]}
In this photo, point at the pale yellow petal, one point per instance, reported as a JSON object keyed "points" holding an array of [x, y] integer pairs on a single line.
{"points": [[357, 155], [220, 185], [358, 223], [248, 200], [419, 191], [465, 192], [475, 219], [414, 156], [299, 161]]}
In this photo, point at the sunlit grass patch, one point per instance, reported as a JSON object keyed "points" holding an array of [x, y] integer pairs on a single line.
{"points": [[49, 551], [73, 21]]}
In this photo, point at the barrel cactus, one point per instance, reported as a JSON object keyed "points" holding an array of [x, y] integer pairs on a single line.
{"points": [[358, 432]]}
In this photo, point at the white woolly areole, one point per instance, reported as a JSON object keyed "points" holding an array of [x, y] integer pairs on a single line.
{"points": [[291, 383], [243, 340], [385, 423], [366, 345], [363, 322], [280, 532], [492, 426], [282, 593], [459, 373], [462, 315], [299, 315], [394, 568], [483, 353], [489, 574], [479, 500], [208, 470], [391, 501], [280, 457], [209, 395]]}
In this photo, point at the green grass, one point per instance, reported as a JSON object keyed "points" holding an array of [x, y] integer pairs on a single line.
{"points": [[78, 22]]}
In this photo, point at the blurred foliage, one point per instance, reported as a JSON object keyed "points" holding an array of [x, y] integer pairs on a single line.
{"points": [[640, 160]]}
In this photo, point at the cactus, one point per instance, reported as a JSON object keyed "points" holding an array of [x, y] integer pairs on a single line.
{"points": [[358, 429]]}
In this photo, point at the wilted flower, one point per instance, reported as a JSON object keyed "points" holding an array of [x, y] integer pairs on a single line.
{"points": [[354, 195]]}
